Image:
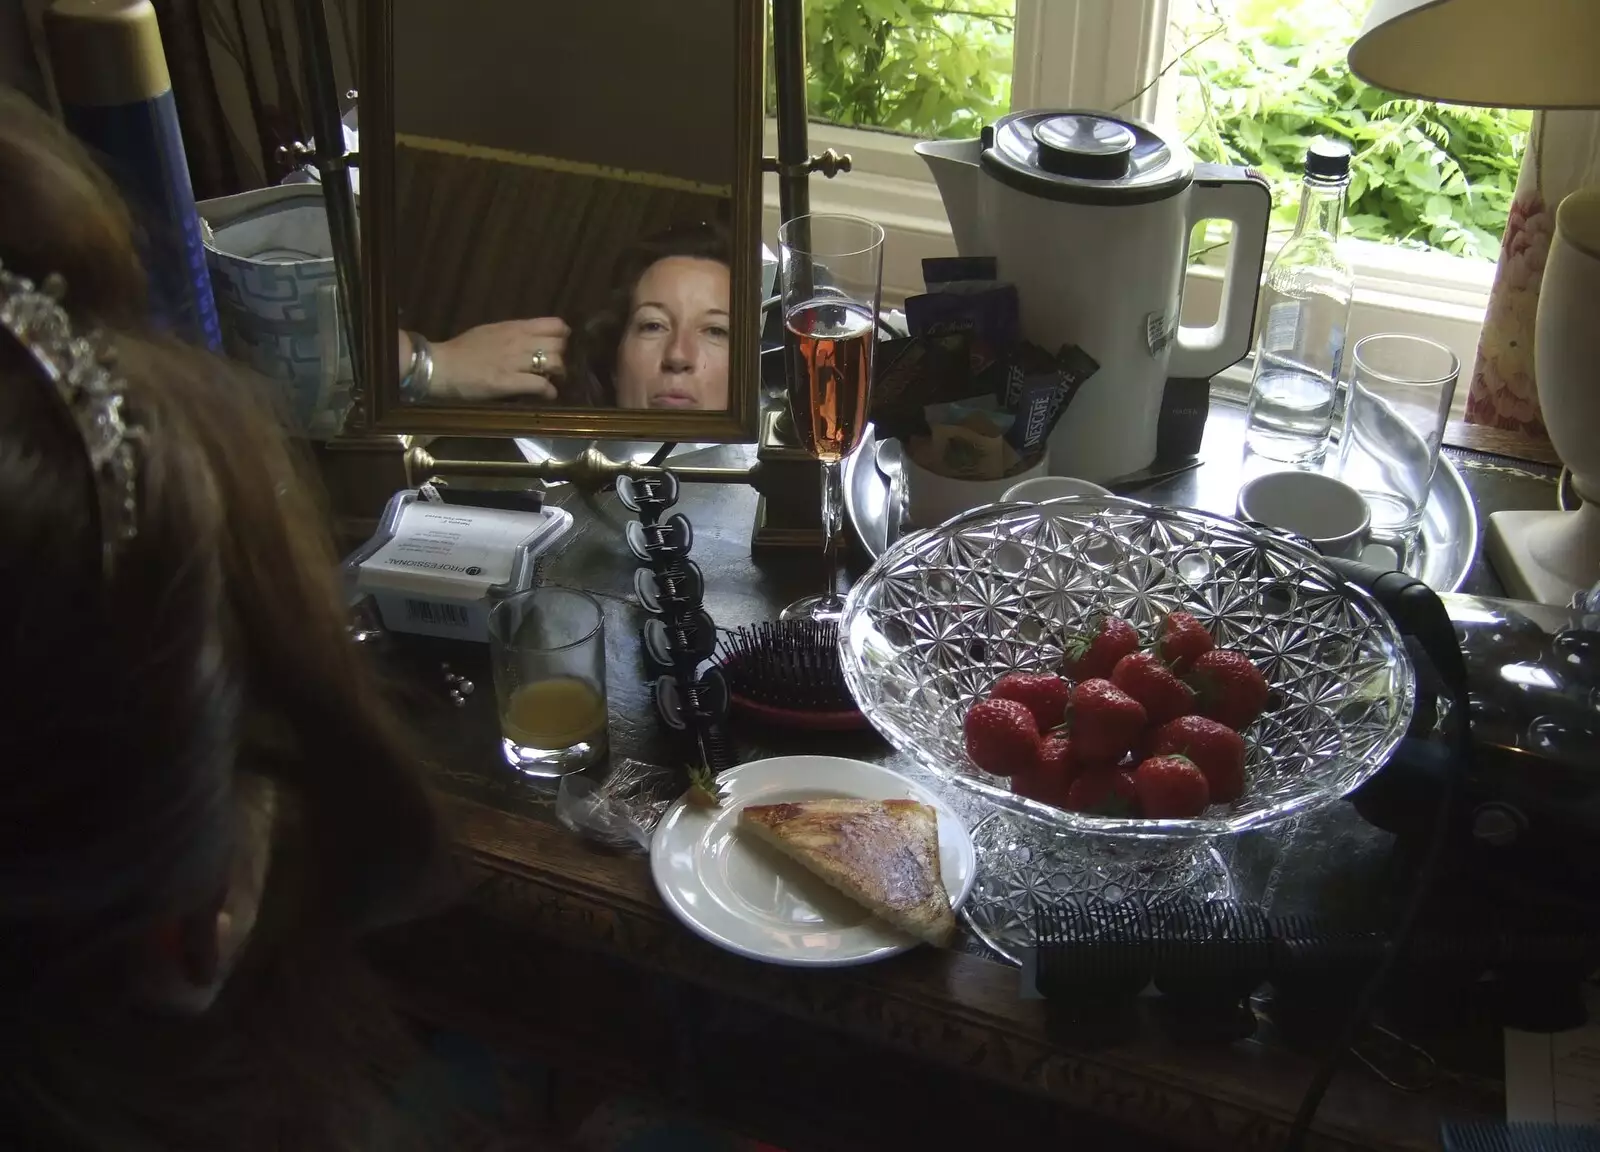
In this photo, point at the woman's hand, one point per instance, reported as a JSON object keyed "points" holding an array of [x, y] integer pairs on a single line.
{"points": [[497, 361]]}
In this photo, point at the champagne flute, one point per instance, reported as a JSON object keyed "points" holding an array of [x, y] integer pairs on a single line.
{"points": [[832, 270]]}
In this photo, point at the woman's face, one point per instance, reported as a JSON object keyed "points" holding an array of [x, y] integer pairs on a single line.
{"points": [[674, 351]]}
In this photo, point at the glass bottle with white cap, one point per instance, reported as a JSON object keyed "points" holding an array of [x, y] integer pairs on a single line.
{"points": [[1305, 313]]}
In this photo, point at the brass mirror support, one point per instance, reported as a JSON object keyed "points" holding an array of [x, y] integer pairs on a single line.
{"points": [[591, 470], [789, 68], [334, 161], [830, 164]]}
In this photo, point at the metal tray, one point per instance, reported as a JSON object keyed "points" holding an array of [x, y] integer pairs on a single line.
{"points": [[1443, 559]]}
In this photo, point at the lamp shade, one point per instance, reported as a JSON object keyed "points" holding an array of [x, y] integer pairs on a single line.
{"points": [[1497, 53]]}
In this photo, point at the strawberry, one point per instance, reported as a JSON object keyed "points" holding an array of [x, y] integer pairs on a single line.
{"points": [[1091, 655], [1105, 721], [1057, 760], [1044, 694], [1143, 676], [1053, 772], [1102, 791], [1216, 749], [1170, 788], [1002, 737], [1183, 640], [1230, 689]]}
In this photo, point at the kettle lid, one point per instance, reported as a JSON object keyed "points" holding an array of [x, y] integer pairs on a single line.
{"points": [[1086, 158]]}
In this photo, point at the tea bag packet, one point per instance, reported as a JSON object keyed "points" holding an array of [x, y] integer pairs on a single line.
{"points": [[985, 308], [912, 372], [959, 274]]}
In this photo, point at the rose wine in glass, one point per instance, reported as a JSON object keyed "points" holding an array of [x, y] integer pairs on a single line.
{"points": [[832, 273], [829, 344]]}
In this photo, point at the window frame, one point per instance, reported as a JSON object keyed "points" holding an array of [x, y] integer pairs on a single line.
{"points": [[1093, 54]]}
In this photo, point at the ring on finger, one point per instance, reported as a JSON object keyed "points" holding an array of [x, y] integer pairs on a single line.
{"points": [[539, 361]]}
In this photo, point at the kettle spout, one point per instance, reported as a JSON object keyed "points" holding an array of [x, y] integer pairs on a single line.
{"points": [[954, 164]]}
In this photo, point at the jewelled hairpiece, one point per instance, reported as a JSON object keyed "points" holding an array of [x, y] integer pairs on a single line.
{"points": [[79, 367]]}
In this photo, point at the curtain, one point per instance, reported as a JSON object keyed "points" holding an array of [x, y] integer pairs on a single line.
{"points": [[237, 78], [1563, 155], [490, 240]]}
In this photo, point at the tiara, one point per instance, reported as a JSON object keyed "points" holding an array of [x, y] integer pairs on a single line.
{"points": [[78, 366]]}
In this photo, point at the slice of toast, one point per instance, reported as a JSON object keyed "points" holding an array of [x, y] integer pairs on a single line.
{"points": [[884, 854]]}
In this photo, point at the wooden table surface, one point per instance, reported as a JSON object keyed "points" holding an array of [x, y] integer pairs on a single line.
{"points": [[947, 1017]]}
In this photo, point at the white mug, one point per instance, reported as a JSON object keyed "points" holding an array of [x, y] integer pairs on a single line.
{"points": [[1041, 488], [1326, 511], [932, 499]]}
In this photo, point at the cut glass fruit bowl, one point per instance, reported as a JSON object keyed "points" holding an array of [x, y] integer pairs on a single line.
{"points": [[945, 613]]}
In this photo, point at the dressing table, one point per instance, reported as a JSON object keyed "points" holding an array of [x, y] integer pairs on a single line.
{"points": [[562, 951]]}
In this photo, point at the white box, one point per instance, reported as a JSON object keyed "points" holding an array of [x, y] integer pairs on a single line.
{"points": [[435, 569]]}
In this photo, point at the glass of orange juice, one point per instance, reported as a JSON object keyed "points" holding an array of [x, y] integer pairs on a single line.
{"points": [[548, 647]]}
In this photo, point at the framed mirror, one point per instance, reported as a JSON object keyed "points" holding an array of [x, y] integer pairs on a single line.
{"points": [[560, 204]]}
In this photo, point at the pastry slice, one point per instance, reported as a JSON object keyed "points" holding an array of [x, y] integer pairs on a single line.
{"points": [[884, 854]]}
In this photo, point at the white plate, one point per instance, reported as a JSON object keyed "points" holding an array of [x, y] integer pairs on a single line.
{"points": [[744, 896]]}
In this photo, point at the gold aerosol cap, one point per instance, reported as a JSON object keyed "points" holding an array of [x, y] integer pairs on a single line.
{"points": [[105, 52]]}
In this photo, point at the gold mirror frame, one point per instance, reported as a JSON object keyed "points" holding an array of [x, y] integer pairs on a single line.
{"points": [[378, 396]]}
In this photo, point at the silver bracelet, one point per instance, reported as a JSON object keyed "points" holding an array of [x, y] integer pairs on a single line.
{"points": [[418, 378]]}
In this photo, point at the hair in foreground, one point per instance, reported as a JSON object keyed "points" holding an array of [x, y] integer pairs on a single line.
{"points": [[145, 709]]}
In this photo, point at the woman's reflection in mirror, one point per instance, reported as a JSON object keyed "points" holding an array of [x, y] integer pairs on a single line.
{"points": [[661, 341]]}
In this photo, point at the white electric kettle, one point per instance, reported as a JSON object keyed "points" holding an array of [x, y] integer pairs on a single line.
{"points": [[1089, 215]]}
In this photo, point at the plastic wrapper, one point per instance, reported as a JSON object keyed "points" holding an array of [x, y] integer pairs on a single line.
{"points": [[619, 807]]}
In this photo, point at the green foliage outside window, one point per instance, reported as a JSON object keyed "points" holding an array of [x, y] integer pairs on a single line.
{"points": [[1256, 81], [1260, 78], [922, 67]]}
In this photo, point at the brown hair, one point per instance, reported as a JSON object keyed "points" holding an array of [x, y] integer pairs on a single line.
{"points": [[216, 646], [592, 383]]}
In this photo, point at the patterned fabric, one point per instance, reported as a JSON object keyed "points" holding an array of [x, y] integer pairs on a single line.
{"points": [[276, 288], [1503, 392], [1563, 154]]}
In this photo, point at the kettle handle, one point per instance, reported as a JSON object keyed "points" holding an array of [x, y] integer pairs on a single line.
{"points": [[1242, 196]]}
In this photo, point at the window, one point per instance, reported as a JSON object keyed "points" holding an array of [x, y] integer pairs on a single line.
{"points": [[1244, 81]]}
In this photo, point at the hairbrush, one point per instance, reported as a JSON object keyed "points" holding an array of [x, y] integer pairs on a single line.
{"points": [[788, 673]]}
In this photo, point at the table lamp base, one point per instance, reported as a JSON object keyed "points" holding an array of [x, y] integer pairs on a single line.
{"points": [[1546, 556]]}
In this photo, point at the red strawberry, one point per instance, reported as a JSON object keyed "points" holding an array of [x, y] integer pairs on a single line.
{"points": [[1002, 737], [1057, 760], [1183, 640], [1230, 689], [1091, 655], [1105, 721], [1045, 695], [1102, 791], [1170, 788], [1053, 772], [1143, 676], [1216, 749]]}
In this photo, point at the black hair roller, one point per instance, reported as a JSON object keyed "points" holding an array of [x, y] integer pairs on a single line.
{"points": [[1206, 959], [680, 635], [1091, 963], [1213, 955]]}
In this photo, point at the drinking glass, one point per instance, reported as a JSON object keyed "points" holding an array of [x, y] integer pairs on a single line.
{"points": [[1400, 393], [548, 648], [832, 271]]}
